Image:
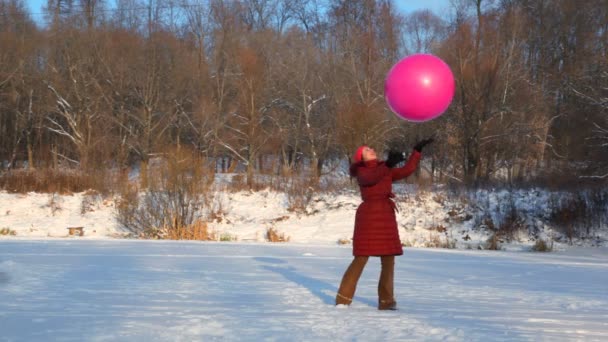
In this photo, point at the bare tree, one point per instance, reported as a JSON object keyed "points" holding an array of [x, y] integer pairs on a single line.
{"points": [[128, 15], [424, 31], [78, 100], [249, 122], [306, 121], [362, 50], [19, 38]]}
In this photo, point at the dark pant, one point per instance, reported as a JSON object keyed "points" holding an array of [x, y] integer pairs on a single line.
{"points": [[385, 284]]}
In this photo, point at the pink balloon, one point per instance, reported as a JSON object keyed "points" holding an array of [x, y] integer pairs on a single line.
{"points": [[419, 87]]}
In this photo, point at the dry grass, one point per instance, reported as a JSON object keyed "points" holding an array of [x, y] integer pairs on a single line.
{"points": [[439, 228], [438, 238], [227, 237], [196, 231], [493, 243], [272, 235], [542, 246], [436, 241], [7, 231], [54, 181], [344, 241], [407, 243]]}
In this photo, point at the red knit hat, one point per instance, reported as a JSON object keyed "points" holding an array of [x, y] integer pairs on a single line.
{"points": [[358, 156]]}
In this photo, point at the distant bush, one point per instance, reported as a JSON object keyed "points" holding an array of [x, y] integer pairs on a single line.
{"points": [[89, 198], [218, 209], [436, 241], [237, 183], [578, 214], [173, 204], [542, 246], [198, 230], [54, 203], [272, 235], [512, 223], [299, 194], [7, 231], [226, 237], [493, 243], [407, 243]]}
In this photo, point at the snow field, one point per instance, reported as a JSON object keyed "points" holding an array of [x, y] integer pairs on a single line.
{"points": [[120, 290]]}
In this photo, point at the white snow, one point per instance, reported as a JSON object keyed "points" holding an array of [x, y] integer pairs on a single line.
{"points": [[135, 290]]}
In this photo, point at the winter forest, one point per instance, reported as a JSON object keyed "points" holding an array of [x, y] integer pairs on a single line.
{"points": [[279, 93]]}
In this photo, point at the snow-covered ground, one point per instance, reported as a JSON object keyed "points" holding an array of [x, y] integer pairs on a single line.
{"points": [[136, 290]]}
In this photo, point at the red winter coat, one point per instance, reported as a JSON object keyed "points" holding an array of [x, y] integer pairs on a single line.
{"points": [[376, 230]]}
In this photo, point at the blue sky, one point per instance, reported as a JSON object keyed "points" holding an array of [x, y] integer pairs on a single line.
{"points": [[437, 6], [407, 6]]}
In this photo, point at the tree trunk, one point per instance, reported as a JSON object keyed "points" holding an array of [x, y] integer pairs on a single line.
{"points": [[143, 174]]}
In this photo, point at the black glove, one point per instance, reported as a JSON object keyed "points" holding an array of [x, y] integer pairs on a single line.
{"points": [[419, 145], [394, 158]]}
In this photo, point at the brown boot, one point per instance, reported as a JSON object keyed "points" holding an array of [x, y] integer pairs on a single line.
{"points": [[386, 301], [343, 300], [390, 304], [349, 281]]}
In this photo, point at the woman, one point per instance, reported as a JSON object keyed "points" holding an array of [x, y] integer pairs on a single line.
{"points": [[376, 232]]}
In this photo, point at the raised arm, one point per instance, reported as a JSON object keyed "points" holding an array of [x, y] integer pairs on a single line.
{"points": [[407, 169]]}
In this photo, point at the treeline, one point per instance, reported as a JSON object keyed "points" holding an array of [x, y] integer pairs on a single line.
{"points": [[101, 85]]}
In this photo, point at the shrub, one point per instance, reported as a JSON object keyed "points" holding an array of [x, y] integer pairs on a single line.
{"points": [[272, 235], [89, 198], [506, 228], [493, 243], [439, 198], [218, 208], [299, 194], [7, 231], [54, 203], [438, 228], [173, 204], [435, 237], [512, 223], [228, 237], [435, 241], [344, 241], [575, 215], [238, 183], [196, 231], [127, 206], [406, 243], [542, 246]]}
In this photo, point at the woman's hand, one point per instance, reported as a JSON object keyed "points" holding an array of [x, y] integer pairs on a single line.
{"points": [[422, 143]]}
